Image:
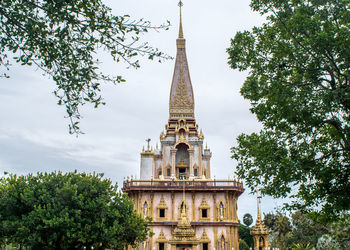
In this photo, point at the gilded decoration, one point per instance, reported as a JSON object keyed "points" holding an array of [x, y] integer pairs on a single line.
{"points": [[184, 233], [180, 208], [184, 141], [201, 136], [162, 136], [145, 211], [162, 205], [202, 206], [161, 238], [181, 98], [221, 211], [204, 238], [222, 243], [259, 228], [260, 232]]}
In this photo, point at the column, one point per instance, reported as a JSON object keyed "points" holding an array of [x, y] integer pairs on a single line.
{"points": [[172, 206], [235, 219], [191, 151], [193, 206], [173, 158], [151, 210], [215, 237], [227, 203], [139, 203], [236, 238], [214, 208]]}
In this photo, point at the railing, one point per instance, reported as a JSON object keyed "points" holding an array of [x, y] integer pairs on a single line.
{"points": [[178, 184]]}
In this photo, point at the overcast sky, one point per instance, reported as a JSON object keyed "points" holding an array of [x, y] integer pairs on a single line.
{"points": [[34, 133]]}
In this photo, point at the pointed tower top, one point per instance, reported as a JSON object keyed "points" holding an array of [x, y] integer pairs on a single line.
{"points": [[259, 229], [181, 102], [181, 33], [258, 204]]}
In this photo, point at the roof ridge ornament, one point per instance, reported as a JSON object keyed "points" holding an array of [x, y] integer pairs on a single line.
{"points": [[181, 33]]}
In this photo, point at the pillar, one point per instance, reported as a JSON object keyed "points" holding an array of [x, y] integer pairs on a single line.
{"points": [[173, 162], [191, 151]]}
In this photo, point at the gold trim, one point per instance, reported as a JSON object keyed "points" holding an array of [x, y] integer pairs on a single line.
{"points": [[161, 238], [205, 238], [179, 209], [145, 213], [221, 213], [162, 205], [204, 205]]}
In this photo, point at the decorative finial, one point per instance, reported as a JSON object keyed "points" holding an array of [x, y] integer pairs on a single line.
{"points": [[148, 141], [201, 136], [181, 33], [258, 197]]}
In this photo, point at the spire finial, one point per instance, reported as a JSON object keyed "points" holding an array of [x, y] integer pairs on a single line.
{"points": [[181, 34], [258, 204], [148, 140]]}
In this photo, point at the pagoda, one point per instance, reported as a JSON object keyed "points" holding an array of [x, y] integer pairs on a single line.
{"points": [[189, 209]]}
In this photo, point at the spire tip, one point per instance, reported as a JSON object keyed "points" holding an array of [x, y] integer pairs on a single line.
{"points": [[181, 34]]}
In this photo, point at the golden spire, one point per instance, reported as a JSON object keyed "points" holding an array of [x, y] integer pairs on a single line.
{"points": [[181, 33], [181, 101], [201, 136], [259, 229], [258, 205]]}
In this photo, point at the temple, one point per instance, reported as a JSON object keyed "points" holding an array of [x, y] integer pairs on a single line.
{"points": [[190, 210], [260, 232]]}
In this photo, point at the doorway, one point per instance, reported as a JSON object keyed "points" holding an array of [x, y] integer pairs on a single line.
{"points": [[184, 247]]}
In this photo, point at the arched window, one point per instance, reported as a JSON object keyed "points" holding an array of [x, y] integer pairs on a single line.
{"points": [[145, 209], [168, 172], [182, 207], [221, 210], [222, 243]]}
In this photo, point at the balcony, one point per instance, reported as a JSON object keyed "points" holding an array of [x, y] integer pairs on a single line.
{"points": [[179, 185]]}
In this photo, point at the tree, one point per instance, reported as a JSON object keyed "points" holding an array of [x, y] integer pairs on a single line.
{"points": [[282, 228], [243, 245], [247, 219], [67, 211], [244, 234], [62, 38], [298, 87], [340, 231], [305, 230]]}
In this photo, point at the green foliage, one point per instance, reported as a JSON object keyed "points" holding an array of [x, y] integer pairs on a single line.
{"points": [[326, 242], [62, 38], [244, 234], [305, 230], [340, 231], [301, 231], [67, 211], [301, 246], [281, 229], [243, 245], [247, 219], [298, 86]]}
